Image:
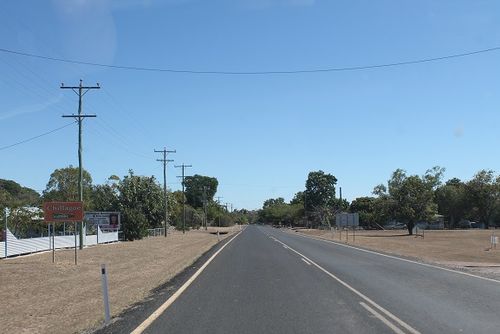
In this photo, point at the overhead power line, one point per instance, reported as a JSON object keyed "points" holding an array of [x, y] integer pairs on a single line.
{"points": [[300, 71], [36, 137]]}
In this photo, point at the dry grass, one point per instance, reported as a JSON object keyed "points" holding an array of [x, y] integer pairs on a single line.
{"points": [[40, 297], [458, 249]]}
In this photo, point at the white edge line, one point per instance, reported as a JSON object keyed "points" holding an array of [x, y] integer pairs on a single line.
{"points": [[382, 318], [380, 308], [398, 258], [305, 261], [146, 323]]}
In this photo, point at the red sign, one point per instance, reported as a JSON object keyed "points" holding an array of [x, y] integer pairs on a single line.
{"points": [[63, 211]]}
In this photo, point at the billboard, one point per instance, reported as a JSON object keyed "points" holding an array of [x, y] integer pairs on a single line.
{"points": [[63, 211], [347, 219], [106, 220]]}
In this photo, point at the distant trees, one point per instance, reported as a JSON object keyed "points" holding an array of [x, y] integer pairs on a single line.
{"points": [[63, 186], [198, 188], [141, 201], [412, 199], [320, 190], [13, 195], [276, 211], [484, 194], [313, 206], [408, 199], [365, 206], [19, 199], [451, 199]]}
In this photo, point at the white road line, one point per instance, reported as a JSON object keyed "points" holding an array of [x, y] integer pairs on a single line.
{"points": [[398, 258], [380, 308], [382, 318], [305, 261], [146, 323], [285, 246]]}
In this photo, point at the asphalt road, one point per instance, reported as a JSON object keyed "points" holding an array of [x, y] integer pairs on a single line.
{"points": [[270, 281]]}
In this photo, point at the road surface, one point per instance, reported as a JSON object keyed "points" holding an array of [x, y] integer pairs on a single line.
{"points": [[272, 281]]}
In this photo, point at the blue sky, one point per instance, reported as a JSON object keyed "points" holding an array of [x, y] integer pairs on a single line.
{"points": [[259, 135]]}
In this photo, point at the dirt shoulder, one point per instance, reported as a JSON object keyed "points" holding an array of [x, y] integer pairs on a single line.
{"points": [[41, 297], [467, 250]]}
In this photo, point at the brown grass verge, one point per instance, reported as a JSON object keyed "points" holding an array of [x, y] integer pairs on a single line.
{"points": [[38, 296], [460, 249]]}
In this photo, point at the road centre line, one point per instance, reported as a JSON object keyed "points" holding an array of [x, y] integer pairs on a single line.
{"points": [[382, 318], [397, 258], [373, 303], [146, 323]]}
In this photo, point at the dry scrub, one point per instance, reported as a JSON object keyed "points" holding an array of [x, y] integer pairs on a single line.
{"points": [[38, 296]]}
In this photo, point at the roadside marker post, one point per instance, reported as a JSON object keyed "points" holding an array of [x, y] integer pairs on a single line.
{"points": [[104, 284], [493, 240]]}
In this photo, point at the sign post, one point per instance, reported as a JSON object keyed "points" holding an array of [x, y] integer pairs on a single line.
{"points": [[63, 212], [76, 253]]}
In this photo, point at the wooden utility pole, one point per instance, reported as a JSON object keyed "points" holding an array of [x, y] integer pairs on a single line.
{"points": [[205, 206], [80, 90], [183, 167], [165, 161]]}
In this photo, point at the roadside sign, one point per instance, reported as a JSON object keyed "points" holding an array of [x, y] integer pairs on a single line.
{"points": [[347, 219], [63, 211], [106, 220]]}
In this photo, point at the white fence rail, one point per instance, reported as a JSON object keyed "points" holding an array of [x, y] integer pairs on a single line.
{"points": [[17, 246], [156, 232]]}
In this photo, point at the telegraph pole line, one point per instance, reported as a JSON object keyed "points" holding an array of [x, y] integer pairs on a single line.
{"points": [[183, 166], [205, 206], [218, 202], [165, 161], [80, 90]]}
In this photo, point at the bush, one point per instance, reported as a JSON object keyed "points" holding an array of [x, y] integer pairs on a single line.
{"points": [[135, 224]]}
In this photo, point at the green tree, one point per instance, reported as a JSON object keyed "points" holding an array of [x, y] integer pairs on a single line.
{"points": [[451, 200], [413, 196], [134, 223], [197, 186], [141, 201], [63, 186], [276, 211], [365, 206], [13, 195], [298, 198], [484, 195], [320, 190]]}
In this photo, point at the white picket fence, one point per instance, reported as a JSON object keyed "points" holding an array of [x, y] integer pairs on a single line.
{"points": [[17, 246]]}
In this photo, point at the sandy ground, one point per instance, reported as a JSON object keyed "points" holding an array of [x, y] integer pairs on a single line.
{"points": [[37, 296], [467, 250]]}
